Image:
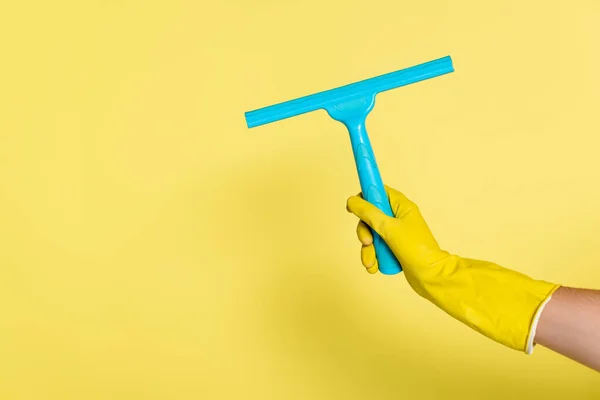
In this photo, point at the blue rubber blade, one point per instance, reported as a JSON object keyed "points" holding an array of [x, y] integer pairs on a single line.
{"points": [[363, 88]]}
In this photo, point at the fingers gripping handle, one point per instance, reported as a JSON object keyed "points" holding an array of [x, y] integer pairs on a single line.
{"points": [[373, 191]]}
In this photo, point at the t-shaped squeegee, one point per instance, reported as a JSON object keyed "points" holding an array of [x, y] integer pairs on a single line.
{"points": [[350, 105]]}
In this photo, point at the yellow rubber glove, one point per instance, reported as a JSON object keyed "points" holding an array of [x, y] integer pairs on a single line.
{"points": [[502, 304]]}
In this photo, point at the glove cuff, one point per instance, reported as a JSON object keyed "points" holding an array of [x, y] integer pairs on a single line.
{"points": [[530, 345], [500, 303]]}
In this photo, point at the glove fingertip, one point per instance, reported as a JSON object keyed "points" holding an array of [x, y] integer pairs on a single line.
{"points": [[364, 233], [374, 269], [350, 204]]}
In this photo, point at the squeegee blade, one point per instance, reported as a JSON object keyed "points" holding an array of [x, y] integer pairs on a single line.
{"points": [[341, 94]]}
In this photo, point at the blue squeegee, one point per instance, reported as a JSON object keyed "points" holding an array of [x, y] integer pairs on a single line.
{"points": [[350, 105]]}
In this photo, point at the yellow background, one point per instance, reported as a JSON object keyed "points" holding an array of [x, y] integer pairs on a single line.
{"points": [[152, 247]]}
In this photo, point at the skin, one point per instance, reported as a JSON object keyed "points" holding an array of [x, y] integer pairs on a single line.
{"points": [[570, 325]]}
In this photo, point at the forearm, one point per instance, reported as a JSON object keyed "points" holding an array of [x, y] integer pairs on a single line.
{"points": [[570, 325]]}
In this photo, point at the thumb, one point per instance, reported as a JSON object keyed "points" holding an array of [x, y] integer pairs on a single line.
{"points": [[370, 214]]}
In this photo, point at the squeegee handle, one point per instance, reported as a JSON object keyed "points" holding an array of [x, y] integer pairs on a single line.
{"points": [[373, 191]]}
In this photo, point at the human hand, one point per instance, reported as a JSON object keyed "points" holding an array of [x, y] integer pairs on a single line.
{"points": [[500, 303], [411, 239]]}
